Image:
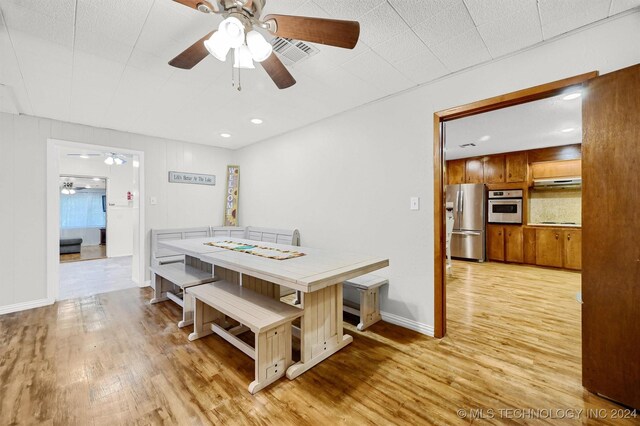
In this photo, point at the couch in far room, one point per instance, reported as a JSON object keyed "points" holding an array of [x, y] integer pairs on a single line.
{"points": [[70, 245]]}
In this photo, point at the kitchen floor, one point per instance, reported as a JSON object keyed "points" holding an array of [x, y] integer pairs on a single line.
{"points": [[82, 279]]}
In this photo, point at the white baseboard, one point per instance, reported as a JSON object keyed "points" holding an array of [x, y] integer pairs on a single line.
{"points": [[407, 323], [17, 307]]}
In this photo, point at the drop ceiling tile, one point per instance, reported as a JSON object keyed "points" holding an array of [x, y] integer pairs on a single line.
{"points": [[120, 21], [561, 16], [105, 47], [352, 10], [512, 32], [417, 11], [618, 6], [486, 11], [462, 51], [61, 10], [40, 25], [380, 24], [370, 67], [422, 68], [401, 47], [449, 23], [283, 7]]}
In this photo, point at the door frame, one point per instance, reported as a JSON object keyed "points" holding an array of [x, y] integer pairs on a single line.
{"points": [[53, 213], [439, 169]]}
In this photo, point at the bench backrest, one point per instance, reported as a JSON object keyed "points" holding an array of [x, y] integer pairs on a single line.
{"points": [[270, 235], [173, 234], [228, 231]]}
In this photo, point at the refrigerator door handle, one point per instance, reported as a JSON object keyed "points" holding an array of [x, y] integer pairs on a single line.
{"points": [[474, 233]]}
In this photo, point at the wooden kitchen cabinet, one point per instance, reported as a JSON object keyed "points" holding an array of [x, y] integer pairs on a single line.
{"points": [[556, 169], [474, 172], [572, 249], [549, 247], [455, 171], [516, 167], [493, 169], [495, 242], [513, 243], [529, 245]]}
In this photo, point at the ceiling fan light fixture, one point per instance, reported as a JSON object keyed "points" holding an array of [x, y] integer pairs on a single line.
{"points": [[64, 191], [109, 160], [119, 161], [243, 58], [233, 31], [218, 46], [260, 48]]}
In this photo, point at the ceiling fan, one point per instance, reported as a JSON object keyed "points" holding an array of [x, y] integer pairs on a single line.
{"points": [[237, 32]]}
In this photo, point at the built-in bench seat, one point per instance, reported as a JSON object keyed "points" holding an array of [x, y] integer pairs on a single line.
{"points": [[368, 287], [162, 256], [170, 281], [269, 319]]}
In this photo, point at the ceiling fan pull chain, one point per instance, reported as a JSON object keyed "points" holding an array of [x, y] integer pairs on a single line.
{"points": [[239, 80]]}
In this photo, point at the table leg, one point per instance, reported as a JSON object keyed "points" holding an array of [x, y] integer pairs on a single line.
{"points": [[321, 328]]}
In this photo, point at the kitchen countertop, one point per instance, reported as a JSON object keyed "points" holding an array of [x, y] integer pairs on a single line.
{"points": [[555, 225]]}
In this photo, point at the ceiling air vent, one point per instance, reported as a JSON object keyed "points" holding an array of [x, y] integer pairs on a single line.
{"points": [[292, 51], [467, 145]]}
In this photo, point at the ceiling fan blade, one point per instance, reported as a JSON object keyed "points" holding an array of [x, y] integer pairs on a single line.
{"points": [[278, 72], [332, 32], [192, 56], [195, 3]]}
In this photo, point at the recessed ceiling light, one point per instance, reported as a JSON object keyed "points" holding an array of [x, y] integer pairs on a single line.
{"points": [[256, 121], [225, 135], [571, 96], [96, 179], [84, 156], [87, 187], [568, 129], [484, 138]]}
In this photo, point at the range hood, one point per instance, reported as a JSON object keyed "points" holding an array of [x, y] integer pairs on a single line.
{"points": [[559, 183]]}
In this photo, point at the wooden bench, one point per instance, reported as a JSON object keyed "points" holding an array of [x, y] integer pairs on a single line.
{"points": [[170, 281], [160, 256], [368, 287], [269, 319]]}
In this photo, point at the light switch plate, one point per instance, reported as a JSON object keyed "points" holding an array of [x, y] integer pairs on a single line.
{"points": [[153, 201], [415, 203]]}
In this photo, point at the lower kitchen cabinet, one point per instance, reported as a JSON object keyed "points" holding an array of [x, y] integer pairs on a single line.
{"points": [[504, 243], [549, 248], [529, 245], [573, 249], [495, 242], [513, 244]]}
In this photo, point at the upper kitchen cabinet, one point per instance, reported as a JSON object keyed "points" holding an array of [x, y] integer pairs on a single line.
{"points": [[556, 169], [516, 167], [455, 172], [474, 172], [493, 168]]}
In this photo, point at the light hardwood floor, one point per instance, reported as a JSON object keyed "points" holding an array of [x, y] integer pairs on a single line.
{"points": [[513, 342]]}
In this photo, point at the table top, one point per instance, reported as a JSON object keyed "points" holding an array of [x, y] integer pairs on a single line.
{"points": [[317, 269]]}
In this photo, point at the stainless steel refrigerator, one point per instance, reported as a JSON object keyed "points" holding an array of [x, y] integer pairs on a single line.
{"points": [[469, 204]]}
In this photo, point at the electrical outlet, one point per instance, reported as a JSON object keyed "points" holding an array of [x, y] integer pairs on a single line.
{"points": [[415, 203]]}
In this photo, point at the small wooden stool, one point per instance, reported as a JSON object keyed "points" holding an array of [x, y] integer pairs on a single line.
{"points": [[369, 309]]}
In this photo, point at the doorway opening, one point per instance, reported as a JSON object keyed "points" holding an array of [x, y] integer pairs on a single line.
{"points": [[441, 179], [95, 219], [83, 218]]}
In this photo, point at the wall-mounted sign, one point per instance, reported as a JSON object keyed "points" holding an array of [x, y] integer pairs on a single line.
{"points": [[231, 196], [194, 178]]}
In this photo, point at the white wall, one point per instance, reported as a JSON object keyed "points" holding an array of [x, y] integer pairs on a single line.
{"points": [[121, 214], [23, 152], [345, 182]]}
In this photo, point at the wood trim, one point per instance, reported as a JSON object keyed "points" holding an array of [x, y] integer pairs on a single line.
{"points": [[510, 99], [515, 98], [439, 303]]}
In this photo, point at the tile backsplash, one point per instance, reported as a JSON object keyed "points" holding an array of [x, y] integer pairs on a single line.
{"points": [[562, 205]]}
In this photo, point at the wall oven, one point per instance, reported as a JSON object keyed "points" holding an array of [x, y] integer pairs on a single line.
{"points": [[505, 206]]}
